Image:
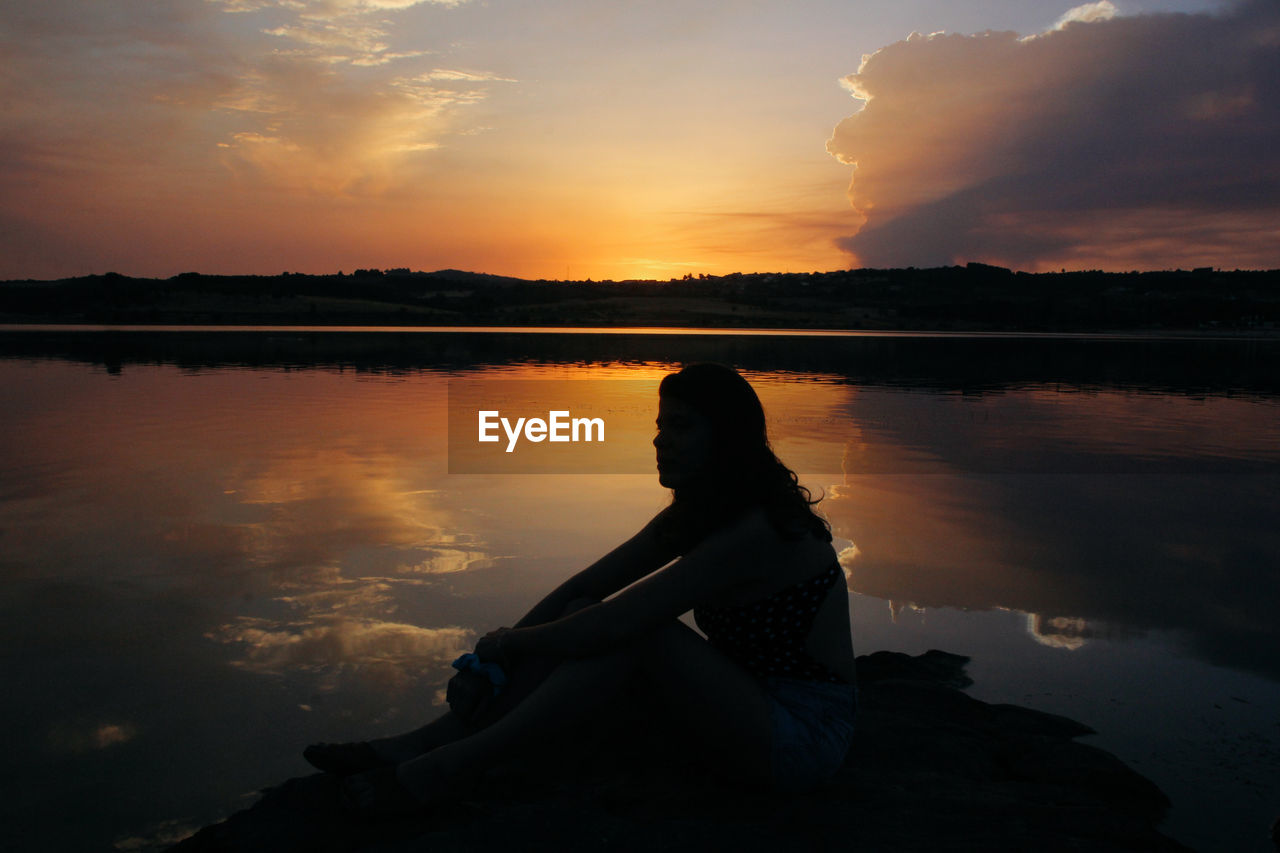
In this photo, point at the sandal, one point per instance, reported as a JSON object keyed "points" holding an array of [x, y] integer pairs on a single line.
{"points": [[345, 759]]}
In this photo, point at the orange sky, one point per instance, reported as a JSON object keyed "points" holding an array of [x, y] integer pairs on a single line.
{"points": [[577, 139]]}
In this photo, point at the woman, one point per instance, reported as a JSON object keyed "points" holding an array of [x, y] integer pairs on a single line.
{"points": [[770, 693]]}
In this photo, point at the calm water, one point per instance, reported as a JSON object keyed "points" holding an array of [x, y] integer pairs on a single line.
{"points": [[216, 548]]}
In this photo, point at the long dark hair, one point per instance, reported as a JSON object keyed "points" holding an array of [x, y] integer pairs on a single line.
{"points": [[743, 472]]}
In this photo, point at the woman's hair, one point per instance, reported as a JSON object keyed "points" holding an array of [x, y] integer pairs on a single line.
{"points": [[743, 471]]}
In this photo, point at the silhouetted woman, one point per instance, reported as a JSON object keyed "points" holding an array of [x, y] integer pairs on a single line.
{"points": [[769, 693]]}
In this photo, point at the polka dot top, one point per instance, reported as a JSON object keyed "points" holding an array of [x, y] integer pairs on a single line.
{"points": [[768, 636]]}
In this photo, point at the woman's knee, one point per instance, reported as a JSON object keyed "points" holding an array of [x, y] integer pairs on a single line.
{"points": [[578, 604], [654, 649]]}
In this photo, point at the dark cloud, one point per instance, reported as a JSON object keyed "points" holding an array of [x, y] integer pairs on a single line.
{"points": [[1107, 141]]}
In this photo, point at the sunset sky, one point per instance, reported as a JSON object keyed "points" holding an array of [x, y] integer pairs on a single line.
{"points": [[583, 138]]}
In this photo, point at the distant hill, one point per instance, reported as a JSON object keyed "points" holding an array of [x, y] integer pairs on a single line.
{"points": [[975, 297], [478, 278]]}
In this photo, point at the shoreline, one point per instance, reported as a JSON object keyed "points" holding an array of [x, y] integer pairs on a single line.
{"points": [[337, 328], [931, 769], [967, 299]]}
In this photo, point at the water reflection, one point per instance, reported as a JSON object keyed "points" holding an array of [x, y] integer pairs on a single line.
{"points": [[396, 652], [240, 550], [89, 737], [326, 494], [1103, 514], [1070, 632], [1044, 430], [1192, 554]]}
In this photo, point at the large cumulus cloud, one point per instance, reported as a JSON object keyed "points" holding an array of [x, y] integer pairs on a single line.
{"points": [[1108, 142]]}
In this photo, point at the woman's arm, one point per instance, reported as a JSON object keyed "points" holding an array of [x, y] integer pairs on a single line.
{"points": [[640, 555], [739, 554]]}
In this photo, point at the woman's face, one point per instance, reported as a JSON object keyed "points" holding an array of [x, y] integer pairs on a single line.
{"points": [[683, 443]]}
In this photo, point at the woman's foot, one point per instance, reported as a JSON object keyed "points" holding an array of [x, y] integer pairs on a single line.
{"points": [[379, 795], [411, 789], [346, 759]]}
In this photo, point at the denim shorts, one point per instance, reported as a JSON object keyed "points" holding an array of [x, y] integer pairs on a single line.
{"points": [[812, 729]]}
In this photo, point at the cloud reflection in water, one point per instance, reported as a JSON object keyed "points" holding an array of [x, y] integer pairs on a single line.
{"points": [[395, 653], [1098, 512]]}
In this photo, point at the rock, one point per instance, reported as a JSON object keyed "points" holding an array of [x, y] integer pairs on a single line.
{"points": [[932, 666], [930, 769]]}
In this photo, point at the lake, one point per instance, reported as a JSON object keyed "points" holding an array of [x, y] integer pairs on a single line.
{"points": [[218, 546]]}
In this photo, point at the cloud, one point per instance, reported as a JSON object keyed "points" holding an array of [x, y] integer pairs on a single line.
{"points": [[86, 87], [336, 31], [464, 76], [108, 102], [1106, 141], [329, 8], [329, 106], [1103, 10], [305, 128]]}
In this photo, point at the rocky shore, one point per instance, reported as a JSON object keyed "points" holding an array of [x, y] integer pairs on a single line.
{"points": [[931, 769]]}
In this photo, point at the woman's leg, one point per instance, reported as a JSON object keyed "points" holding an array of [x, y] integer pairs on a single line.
{"points": [[720, 705], [717, 702], [448, 727], [443, 729]]}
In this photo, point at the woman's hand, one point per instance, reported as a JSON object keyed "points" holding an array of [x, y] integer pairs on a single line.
{"points": [[492, 648]]}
